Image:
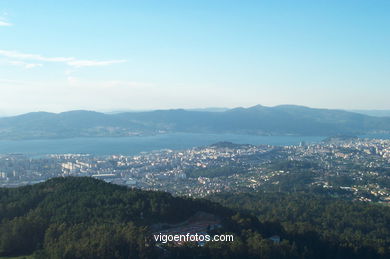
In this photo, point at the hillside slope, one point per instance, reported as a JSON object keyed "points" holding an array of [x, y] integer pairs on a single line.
{"points": [[88, 218]]}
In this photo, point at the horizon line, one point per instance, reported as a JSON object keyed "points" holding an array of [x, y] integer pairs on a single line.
{"points": [[200, 109]]}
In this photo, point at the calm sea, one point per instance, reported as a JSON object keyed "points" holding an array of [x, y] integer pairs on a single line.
{"points": [[135, 145]]}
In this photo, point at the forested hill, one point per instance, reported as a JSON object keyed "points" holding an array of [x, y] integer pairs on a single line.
{"points": [[56, 215], [88, 218], [278, 120], [307, 218]]}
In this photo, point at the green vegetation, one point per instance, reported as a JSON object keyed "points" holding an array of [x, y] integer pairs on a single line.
{"points": [[17, 257], [317, 219], [87, 218], [56, 215]]}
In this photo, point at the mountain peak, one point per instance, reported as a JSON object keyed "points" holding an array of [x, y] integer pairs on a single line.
{"points": [[257, 107]]}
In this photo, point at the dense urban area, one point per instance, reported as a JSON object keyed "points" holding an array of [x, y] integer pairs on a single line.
{"points": [[353, 168]]}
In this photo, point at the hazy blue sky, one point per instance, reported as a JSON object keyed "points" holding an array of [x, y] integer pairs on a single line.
{"points": [[110, 55]]}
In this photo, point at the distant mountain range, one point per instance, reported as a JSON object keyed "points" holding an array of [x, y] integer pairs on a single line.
{"points": [[377, 113], [259, 120]]}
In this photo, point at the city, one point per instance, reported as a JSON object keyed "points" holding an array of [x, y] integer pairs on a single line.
{"points": [[352, 168]]}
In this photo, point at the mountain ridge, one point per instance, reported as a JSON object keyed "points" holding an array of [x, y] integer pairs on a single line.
{"points": [[256, 120]]}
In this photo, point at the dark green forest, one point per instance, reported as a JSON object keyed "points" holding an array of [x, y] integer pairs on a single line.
{"points": [[314, 220], [88, 218]]}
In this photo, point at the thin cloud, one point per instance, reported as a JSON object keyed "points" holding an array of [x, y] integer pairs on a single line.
{"points": [[25, 64], [70, 61], [93, 63], [18, 55], [3, 23]]}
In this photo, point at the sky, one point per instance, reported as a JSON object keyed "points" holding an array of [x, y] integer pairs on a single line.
{"points": [[141, 55]]}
